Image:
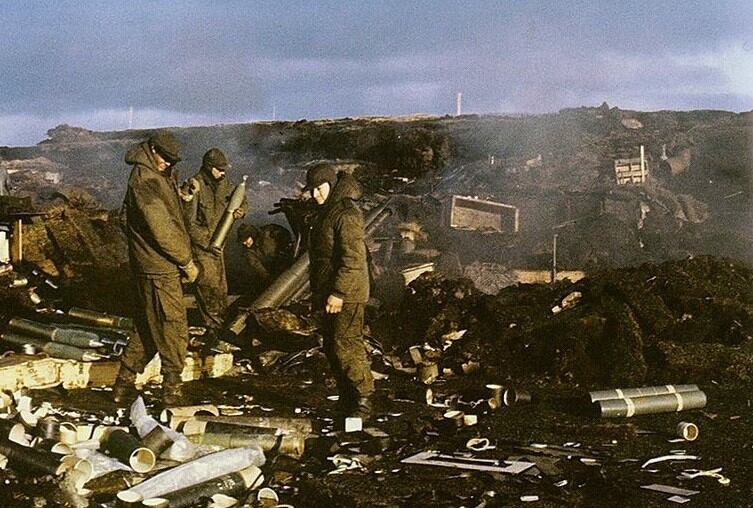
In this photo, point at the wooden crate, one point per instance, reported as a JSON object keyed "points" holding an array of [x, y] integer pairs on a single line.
{"points": [[31, 371]]}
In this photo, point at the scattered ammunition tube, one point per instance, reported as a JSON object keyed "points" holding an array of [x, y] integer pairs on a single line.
{"points": [[128, 499], [286, 444], [188, 411], [226, 222], [101, 319], [53, 446], [128, 450], [157, 440], [514, 396], [197, 471], [197, 427], [688, 431], [6, 399], [71, 337], [12, 431], [646, 391], [427, 372], [496, 394], [233, 484], [24, 459], [48, 428], [666, 403], [302, 425]]}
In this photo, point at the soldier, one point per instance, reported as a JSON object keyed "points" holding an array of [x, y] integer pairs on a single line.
{"points": [[159, 251], [206, 196], [268, 253], [340, 283]]}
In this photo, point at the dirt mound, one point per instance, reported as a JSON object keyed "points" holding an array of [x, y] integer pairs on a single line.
{"points": [[677, 321]]}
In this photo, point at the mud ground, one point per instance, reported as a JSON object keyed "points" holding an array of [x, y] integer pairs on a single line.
{"points": [[554, 418]]}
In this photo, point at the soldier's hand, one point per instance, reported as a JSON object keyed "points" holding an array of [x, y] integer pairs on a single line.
{"points": [[239, 213], [190, 272], [334, 304], [217, 251]]}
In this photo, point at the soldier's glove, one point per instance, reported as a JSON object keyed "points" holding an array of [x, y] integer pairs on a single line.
{"points": [[215, 251], [190, 272], [188, 189]]}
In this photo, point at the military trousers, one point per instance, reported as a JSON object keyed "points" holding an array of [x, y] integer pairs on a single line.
{"points": [[161, 325], [345, 349], [211, 289]]}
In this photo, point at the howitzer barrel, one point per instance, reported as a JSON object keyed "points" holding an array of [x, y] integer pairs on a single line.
{"points": [[293, 281], [226, 222], [373, 221]]}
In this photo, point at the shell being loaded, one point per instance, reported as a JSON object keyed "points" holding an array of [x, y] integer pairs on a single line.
{"points": [[666, 403], [226, 222]]}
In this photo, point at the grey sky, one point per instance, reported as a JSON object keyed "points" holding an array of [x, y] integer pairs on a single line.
{"points": [[196, 62]]}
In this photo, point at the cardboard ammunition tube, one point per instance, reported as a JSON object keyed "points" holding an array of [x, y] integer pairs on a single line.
{"points": [[156, 502], [232, 484], [157, 440], [455, 417], [68, 433], [495, 393], [6, 399], [17, 434], [688, 431], [416, 355], [11, 430], [22, 459], [288, 444], [645, 391], [48, 428], [128, 450], [302, 425], [128, 499], [427, 372], [84, 431], [514, 396], [53, 446], [192, 427], [188, 411], [667, 403]]}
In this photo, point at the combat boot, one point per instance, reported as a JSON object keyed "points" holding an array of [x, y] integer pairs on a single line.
{"points": [[172, 391], [124, 390], [364, 408]]}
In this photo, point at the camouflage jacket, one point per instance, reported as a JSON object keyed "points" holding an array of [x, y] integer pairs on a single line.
{"points": [[204, 212], [158, 241], [337, 251]]}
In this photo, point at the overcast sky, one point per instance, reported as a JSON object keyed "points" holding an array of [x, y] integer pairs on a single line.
{"points": [[181, 62]]}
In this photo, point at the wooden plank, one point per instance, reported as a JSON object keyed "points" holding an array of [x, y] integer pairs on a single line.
{"points": [[29, 371]]}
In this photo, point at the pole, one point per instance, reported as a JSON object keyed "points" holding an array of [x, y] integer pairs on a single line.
{"points": [[554, 258]]}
